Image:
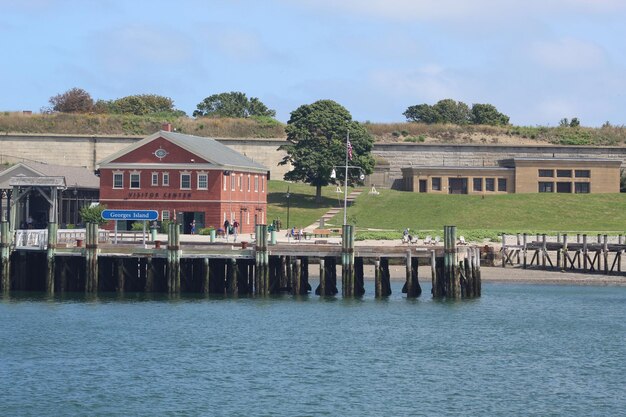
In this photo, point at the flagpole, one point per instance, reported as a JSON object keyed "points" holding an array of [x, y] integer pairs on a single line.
{"points": [[345, 188]]}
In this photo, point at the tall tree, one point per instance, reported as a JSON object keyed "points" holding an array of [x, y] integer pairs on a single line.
{"points": [[316, 136], [74, 100], [233, 104], [450, 111], [487, 114]]}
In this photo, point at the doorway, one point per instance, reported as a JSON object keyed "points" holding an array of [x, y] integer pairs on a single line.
{"points": [[457, 185], [188, 217], [422, 186]]}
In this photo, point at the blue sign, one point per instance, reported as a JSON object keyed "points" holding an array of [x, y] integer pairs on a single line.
{"points": [[132, 215]]}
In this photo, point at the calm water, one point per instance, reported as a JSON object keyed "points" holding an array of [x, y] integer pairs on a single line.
{"points": [[519, 350]]}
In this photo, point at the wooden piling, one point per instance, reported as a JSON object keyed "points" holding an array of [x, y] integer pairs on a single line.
{"points": [[91, 257], [347, 261], [50, 257], [173, 258], [232, 277], [321, 289], [261, 271], [413, 288], [525, 249], [5, 257], [451, 274], [436, 285]]}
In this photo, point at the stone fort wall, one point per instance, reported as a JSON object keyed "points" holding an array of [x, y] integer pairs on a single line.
{"points": [[88, 150]]}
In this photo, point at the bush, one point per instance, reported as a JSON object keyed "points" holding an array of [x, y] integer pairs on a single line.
{"points": [[205, 231]]}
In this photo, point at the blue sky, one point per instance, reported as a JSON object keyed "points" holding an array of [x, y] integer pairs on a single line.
{"points": [[536, 60]]}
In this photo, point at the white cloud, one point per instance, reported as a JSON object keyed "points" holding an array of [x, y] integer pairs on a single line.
{"points": [[428, 84], [461, 10], [568, 54]]}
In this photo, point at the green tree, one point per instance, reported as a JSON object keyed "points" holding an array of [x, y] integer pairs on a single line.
{"points": [[444, 111], [487, 114], [233, 104], [93, 214], [74, 100], [140, 105], [450, 111], [316, 136], [422, 113]]}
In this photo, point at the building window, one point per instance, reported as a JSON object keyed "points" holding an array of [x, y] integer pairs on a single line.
{"points": [[248, 182], [490, 184], [564, 173], [165, 215], [262, 184], [256, 184], [185, 181], [582, 188], [563, 187], [135, 182], [225, 182], [203, 181], [436, 184], [118, 180], [582, 173], [546, 173], [240, 182], [155, 179], [166, 179], [478, 184], [232, 182], [501, 184], [546, 187]]}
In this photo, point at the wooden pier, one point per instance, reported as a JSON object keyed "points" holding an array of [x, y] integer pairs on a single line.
{"points": [[578, 252], [95, 264]]}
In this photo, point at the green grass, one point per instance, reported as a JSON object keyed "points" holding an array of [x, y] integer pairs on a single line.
{"points": [[477, 218], [303, 210]]}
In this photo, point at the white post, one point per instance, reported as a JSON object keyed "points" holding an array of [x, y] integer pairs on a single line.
{"points": [[115, 232], [143, 236]]}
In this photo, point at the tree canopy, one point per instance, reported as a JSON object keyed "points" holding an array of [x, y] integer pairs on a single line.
{"points": [[455, 112], [74, 100], [316, 136], [233, 104], [139, 104]]}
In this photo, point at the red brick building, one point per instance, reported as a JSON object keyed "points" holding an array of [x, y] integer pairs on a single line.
{"points": [[186, 178]]}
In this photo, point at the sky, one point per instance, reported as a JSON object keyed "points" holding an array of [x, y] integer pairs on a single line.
{"points": [[537, 61]]}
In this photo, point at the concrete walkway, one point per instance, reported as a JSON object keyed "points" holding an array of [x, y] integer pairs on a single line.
{"points": [[333, 212]]}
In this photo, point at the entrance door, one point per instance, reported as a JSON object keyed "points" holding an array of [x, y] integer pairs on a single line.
{"points": [[190, 216], [422, 186], [457, 185]]}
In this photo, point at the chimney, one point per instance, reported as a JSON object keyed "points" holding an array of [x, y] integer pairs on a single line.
{"points": [[166, 127]]}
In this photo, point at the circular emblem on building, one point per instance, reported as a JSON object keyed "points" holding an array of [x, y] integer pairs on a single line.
{"points": [[160, 153]]}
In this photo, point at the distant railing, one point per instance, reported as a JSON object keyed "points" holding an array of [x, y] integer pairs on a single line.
{"points": [[38, 238]]}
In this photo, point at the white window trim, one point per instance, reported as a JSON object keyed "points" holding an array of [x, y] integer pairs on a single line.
{"points": [[240, 180], [232, 182], [163, 215], [225, 182], [206, 176], [182, 174], [248, 182], [262, 184], [166, 179], [256, 183], [118, 173], [155, 175], [130, 184]]}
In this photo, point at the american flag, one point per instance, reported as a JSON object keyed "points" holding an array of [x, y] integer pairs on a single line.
{"points": [[349, 150]]}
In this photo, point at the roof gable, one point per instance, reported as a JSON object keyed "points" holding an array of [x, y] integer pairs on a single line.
{"points": [[199, 149]]}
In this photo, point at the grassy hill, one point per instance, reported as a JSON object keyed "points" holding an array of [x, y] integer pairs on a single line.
{"points": [[476, 217], [102, 124]]}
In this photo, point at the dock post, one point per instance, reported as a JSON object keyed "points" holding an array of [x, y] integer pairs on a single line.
{"points": [[261, 270], [385, 278], [232, 277], [91, 257], [525, 249], [413, 289], [206, 275], [321, 289], [5, 256], [436, 290], [50, 258], [585, 253], [173, 258], [347, 261], [503, 248], [451, 272], [297, 287], [565, 252], [605, 249], [378, 282], [544, 251]]}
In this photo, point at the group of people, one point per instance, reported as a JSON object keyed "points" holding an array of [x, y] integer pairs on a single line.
{"points": [[297, 234], [229, 228]]}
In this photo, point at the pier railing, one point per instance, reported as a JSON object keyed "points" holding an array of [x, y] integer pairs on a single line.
{"points": [[38, 238]]}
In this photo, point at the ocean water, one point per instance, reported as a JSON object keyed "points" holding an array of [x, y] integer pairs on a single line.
{"points": [[520, 350]]}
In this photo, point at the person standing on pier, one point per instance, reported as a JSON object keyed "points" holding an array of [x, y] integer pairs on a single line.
{"points": [[193, 227], [235, 228]]}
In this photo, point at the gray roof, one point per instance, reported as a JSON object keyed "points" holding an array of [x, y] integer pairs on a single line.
{"points": [[209, 149], [79, 176]]}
